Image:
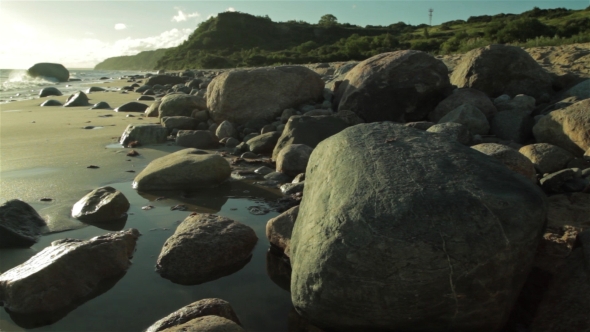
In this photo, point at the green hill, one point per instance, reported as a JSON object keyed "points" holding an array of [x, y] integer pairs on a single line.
{"points": [[145, 60], [234, 39]]}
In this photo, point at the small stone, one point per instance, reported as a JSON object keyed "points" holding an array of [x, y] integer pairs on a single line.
{"points": [[92, 166]]}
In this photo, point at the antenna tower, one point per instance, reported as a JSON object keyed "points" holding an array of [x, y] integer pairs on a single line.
{"points": [[430, 16]]}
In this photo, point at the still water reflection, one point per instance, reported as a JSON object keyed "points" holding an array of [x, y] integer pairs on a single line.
{"points": [[141, 296]]}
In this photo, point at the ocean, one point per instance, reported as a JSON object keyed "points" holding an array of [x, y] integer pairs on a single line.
{"points": [[16, 85]]}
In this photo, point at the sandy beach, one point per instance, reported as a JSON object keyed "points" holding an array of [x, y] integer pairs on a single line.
{"points": [[45, 152]]}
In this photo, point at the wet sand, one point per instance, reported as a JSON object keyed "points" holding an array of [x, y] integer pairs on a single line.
{"points": [[44, 151]]}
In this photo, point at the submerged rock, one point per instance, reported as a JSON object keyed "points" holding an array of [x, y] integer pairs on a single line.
{"points": [[205, 247], [65, 272], [20, 224], [101, 205], [201, 308]]}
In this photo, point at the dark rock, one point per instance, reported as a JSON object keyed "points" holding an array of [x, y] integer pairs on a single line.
{"points": [[94, 89], [200, 139], [292, 188], [20, 224], [461, 97], [420, 125], [249, 155], [546, 158], [179, 122], [51, 102], [65, 272], [144, 133], [50, 91], [278, 177], [146, 98], [414, 81], [454, 131], [205, 247], [77, 99], [469, 116], [100, 105], [104, 204], [513, 159], [55, 70], [516, 126], [132, 107], [178, 105], [164, 79], [293, 159], [263, 144], [152, 111], [463, 228]]}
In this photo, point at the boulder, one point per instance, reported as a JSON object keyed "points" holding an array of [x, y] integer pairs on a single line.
{"points": [[44, 69], [153, 110], [77, 99], [553, 182], [177, 105], [65, 272], [400, 86], [293, 159], [292, 188], [513, 159], [401, 230], [186, 169], [546, 158], [226, 129], [163, 80], [201, 308], [179, 122], [241, 95], [132, 106], [95, 89], [209, 323], [569, 210], [420, 125], [308, 130], [502, 69], [143, 89], [522, 103], [20, 224], [279, 228], [144, 133], [461, 97], [568, 128], [101, 205], [580, 90], [49, 91], [100, 106], [200, 139], [471, 117], [51, 102], [264, 143], [205, 247], [515, 126], [455, 131]]}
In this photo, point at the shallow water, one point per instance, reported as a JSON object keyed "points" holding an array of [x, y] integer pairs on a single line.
{"points": [[141, 296]]}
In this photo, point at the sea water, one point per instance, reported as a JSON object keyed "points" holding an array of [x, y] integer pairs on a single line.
{"points": [[16, 85]]}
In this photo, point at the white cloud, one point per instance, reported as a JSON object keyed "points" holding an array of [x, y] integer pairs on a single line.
{"points": [[230, 9], [183, 16], [120, 26]]}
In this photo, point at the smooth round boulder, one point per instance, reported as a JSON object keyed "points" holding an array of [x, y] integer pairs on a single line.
{"points": [[186, 169], [401, 86], [178, 105], [179, 122], [452, 130], [403, 230], [200, 139], [568, 128], [55, 70], [502, 69], [460, 97], [205, 247], [105, 204], [101, 106], [293, 159], [513, 159], [95, 89], [241, 95], [51, 102], [264, 143], [49, 91], [20, 224], [226, 129], [132, 106], [471, 117], [546, 158]]}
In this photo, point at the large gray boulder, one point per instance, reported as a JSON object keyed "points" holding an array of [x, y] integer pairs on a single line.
{"points": [[242, 95], [471, 117], [178, 105], [400, 86], [461, 97], [205, 247], [144, 134], [201, 308], [101, 205], [66, 272], [502, 69], [309, 130], [568, 128], [20, 224], [402, 230], [186, 169], [55, 70]]}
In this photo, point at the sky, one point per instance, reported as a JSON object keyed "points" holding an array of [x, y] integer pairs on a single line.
{"points": [[80, 34]]}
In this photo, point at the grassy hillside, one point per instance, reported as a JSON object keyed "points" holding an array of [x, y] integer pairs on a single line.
{"points": [[143, 61], [234, 39]]}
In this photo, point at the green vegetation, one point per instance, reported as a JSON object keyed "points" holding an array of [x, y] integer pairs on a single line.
{"points": [[146, 60], [234, 39]]}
